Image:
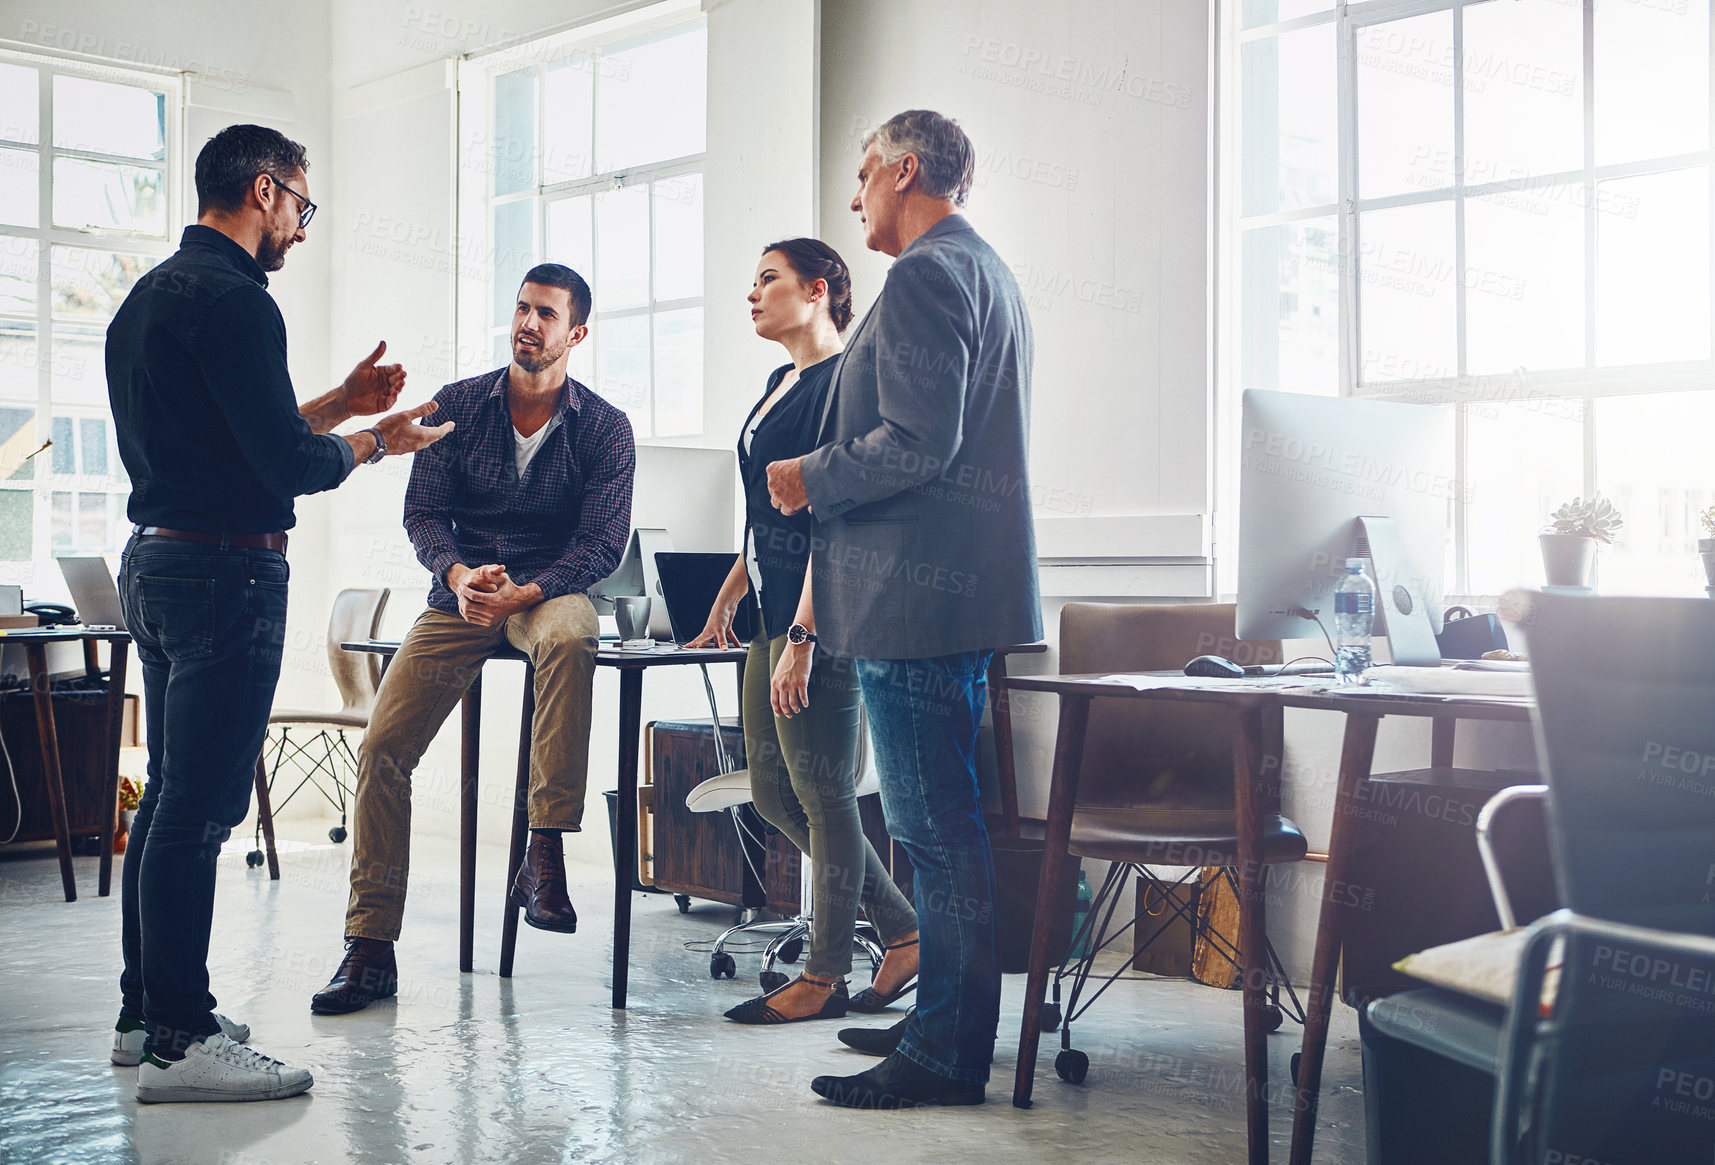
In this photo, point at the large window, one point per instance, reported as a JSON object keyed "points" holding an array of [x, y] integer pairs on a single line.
{"points": [[86, 198], [590, 153], [1499, 207]]}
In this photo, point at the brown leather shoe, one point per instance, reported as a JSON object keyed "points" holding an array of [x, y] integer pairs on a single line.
{"points": [[540, 887], [367, 973]]}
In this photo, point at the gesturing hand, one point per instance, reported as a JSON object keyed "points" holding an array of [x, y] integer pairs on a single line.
{"points": [[404, 435], [371, 387]]}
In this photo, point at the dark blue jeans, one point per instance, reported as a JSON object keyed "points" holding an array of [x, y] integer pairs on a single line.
{"points": [[209, 626], [923, 717]]}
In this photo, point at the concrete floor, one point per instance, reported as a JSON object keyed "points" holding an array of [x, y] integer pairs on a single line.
{"points": [[539, 1068]]}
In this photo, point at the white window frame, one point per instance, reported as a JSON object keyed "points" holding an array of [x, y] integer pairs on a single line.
{"points": [[1583, 385], [46, 235]]}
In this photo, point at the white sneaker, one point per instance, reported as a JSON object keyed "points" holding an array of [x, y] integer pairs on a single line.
{"points": [[128, 1037], [218, 1069]]}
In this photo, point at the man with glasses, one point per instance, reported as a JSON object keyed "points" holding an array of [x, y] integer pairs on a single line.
{"points": [[217, 447]]}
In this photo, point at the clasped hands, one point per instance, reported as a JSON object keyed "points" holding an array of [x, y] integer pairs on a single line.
{"points": [[487, 595]]}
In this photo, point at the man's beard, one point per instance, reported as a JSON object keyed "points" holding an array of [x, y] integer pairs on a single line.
{"points": [[271, 252], [536, 359]]}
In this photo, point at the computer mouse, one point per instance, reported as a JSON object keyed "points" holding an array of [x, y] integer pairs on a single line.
{"points": [[1214, 666]]}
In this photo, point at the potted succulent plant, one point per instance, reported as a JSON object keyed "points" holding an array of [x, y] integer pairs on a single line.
{"points": [[1569, 542], [1706, 548]]}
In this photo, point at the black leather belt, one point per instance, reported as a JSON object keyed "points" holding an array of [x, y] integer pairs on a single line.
{"points": [[274, 541]]}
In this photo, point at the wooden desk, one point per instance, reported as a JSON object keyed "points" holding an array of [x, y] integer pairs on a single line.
{"points": [[35, 649], [1256, 707], [631, 665]]}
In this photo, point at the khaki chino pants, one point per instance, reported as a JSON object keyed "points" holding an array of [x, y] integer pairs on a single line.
{"points": [[441, 656]]}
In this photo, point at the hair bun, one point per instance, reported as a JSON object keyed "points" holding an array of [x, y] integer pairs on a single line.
{"points": [[812, 259]]}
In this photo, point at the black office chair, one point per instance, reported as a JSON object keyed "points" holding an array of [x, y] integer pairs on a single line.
{"points": [[1613, 1061]]}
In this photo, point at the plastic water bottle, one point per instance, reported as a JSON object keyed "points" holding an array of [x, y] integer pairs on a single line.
{"points": [[1354, 618], [1081, 912]]}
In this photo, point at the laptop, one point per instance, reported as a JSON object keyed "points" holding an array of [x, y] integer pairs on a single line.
{"points": [[93, 592], [689, 582]]}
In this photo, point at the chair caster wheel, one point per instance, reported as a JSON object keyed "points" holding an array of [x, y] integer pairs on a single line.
{"points": [[1292, 1067], [253, 858], [684, 901], [771, 980], [1072, 1066], [336, 834], [1049, 1020], [1271, 1018], [791, 951], [722, 966]]}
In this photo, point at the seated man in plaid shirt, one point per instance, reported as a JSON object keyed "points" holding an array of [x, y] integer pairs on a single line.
{"points": [[516, 513]]}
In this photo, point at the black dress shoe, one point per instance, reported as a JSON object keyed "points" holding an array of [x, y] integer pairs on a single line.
{"points": [[367, 973], [540, 887], [875, 1041], [896, 1083]]}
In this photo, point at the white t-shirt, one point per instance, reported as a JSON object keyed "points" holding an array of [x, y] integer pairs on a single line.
{"points": [[527, 446], [750, 565]]}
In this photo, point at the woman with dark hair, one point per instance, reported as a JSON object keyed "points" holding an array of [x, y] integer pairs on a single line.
{"points": [[801, 723]]}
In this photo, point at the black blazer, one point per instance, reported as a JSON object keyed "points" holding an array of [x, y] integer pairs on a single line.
{"points": [[782, 543]]}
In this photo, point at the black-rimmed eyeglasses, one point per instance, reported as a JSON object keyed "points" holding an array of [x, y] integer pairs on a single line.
{"points": [[309, 210]]}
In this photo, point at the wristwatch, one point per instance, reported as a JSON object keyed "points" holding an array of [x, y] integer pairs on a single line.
{"points": [[798, 633], [380, 447]]}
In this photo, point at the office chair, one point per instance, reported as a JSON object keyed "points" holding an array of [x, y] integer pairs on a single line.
{"points": [[1610, 1055], [1156, 787], [323, 754], [729, 792]]}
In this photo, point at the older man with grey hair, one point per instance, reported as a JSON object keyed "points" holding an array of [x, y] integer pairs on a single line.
{"points": [[923, 564]]}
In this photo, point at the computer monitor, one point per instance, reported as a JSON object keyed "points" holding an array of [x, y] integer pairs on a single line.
{"points": [[682, 499], [1323, 479]]}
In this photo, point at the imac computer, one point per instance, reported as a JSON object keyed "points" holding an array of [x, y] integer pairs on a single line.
{"points": [[1323, 479], [682, 499]]}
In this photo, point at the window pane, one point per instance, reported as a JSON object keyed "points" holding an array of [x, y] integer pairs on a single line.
{"points": [[20, 104], [514, 254], [622, 368], [1524, 89], [1652, 80], [17, 522], [1258, 12], [78, 371], [1290, 150], [1652, 268], [1405, 105], [1524, 457], [17, 441], [679, 237], [64, 450], [679, 373], [20, 192], [1291, 281], [1406, 295], [569, 239], [19, 358], [109, 197], [515, 131], [92, 284], [1652, 459], [92, 446], [568, 120], [61, 537], [650, 101], [1524, 283], [104, 118], [17, 274], [622, 248]]}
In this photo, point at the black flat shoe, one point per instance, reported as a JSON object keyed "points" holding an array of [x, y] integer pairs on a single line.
{"points": [[870, 1001], [896, 1083], [875, 1041], [760, 1011]]}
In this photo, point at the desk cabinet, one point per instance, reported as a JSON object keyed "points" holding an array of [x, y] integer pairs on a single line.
{"points": [[85, 767]]}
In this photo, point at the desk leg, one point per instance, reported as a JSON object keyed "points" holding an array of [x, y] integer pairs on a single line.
{"points": [[1251, 746], [1000, 700], [38, 657], [520, 824], [117, 654], [1062, 796], [625, 848], [1355, 758], [470, 746]]}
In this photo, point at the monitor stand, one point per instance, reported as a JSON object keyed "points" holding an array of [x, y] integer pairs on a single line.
{"points": [[1410, 627]]}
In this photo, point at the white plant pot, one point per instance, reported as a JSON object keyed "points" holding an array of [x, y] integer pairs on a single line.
{"points": [[1567, 559]]}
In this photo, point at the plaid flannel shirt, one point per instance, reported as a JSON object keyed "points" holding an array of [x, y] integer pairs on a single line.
{"points": [[562, 526]]}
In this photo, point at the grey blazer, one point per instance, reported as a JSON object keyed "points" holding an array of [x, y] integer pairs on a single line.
{"points": [[924, 542]]}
